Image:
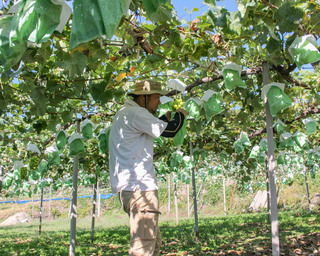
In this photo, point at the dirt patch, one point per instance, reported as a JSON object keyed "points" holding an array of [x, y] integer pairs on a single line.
{"points": [[20, 217]]}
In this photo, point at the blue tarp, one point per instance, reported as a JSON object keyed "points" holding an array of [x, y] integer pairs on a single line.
{"points": [[104, 196]]}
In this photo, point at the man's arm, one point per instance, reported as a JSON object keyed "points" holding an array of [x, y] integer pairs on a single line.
{"points": [[175, 124], [166, 117]]}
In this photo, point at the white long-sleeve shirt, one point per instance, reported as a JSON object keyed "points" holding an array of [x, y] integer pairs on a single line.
{"points": [[131, 148]]}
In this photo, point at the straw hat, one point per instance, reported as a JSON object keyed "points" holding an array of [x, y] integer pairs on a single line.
{"points": [[148, 87]]}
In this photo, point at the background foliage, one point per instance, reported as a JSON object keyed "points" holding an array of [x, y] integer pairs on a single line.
{"points": [[50, 83]]}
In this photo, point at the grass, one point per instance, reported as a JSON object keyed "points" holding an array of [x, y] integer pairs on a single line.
{"points": [[245, 234], [238, 233]]}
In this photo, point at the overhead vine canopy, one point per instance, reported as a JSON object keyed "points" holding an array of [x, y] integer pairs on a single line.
{"points": [[59, 64]]}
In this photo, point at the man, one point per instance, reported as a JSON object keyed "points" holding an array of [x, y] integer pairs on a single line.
{"points": [[132, 172]]}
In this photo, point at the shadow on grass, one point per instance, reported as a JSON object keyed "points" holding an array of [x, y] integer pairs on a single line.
{"points": [[247, 234], [112, 241], [216, 234]]}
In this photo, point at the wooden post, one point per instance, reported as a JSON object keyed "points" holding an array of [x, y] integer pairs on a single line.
{"points": [[307, 186], [108, 204], [194, 194], [224, 196], [284, 201], [164, 198], [197, 198], [271, 167], [94, 208], [32, 206], [41, 200], [169, 197], [88, 204], [73, 222], [70, 209], [176, 202], [1, 172], [99, 199], [279, 186], [188, 201], [268, 191], [50, 204], [234, 189]]}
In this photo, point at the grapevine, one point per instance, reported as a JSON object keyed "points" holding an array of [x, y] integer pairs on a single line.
{"points": [[24, 172], [34, 163], [177, 103]]}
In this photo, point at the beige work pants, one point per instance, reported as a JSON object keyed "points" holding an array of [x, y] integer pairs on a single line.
{"points": [[143, 210]]}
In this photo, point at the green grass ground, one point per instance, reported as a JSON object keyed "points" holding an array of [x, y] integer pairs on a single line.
{"points": [[244, 234], [239, 233]]}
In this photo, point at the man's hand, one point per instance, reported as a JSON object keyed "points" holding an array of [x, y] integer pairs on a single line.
{"points": [[168, 115], [183, 111]]}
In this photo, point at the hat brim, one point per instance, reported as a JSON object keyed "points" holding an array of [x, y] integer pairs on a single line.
{"points": [[161, 92]]}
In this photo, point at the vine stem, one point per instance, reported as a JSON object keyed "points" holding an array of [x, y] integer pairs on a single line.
{"points": [[271, 5]]}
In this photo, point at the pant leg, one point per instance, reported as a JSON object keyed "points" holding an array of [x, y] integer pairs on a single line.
{"points": [[143, 209], [158, 242]]}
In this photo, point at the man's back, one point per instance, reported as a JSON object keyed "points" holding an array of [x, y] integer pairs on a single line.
{"points": [[131, 148]]}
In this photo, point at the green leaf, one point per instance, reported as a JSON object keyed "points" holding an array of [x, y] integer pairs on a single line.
{"points": [[75, 64], [3, 102], [54, 158], [27, 85], [273, 45], [236, 25], [100, 94], [159, 141], [192, 11], [67, 116], [195, 126], [39, 125], [34, 175], [287, 17], [153, 6], [39, 106], [218, 17], [152, 59], [210, 3], [174, 38], [156, 11]]}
